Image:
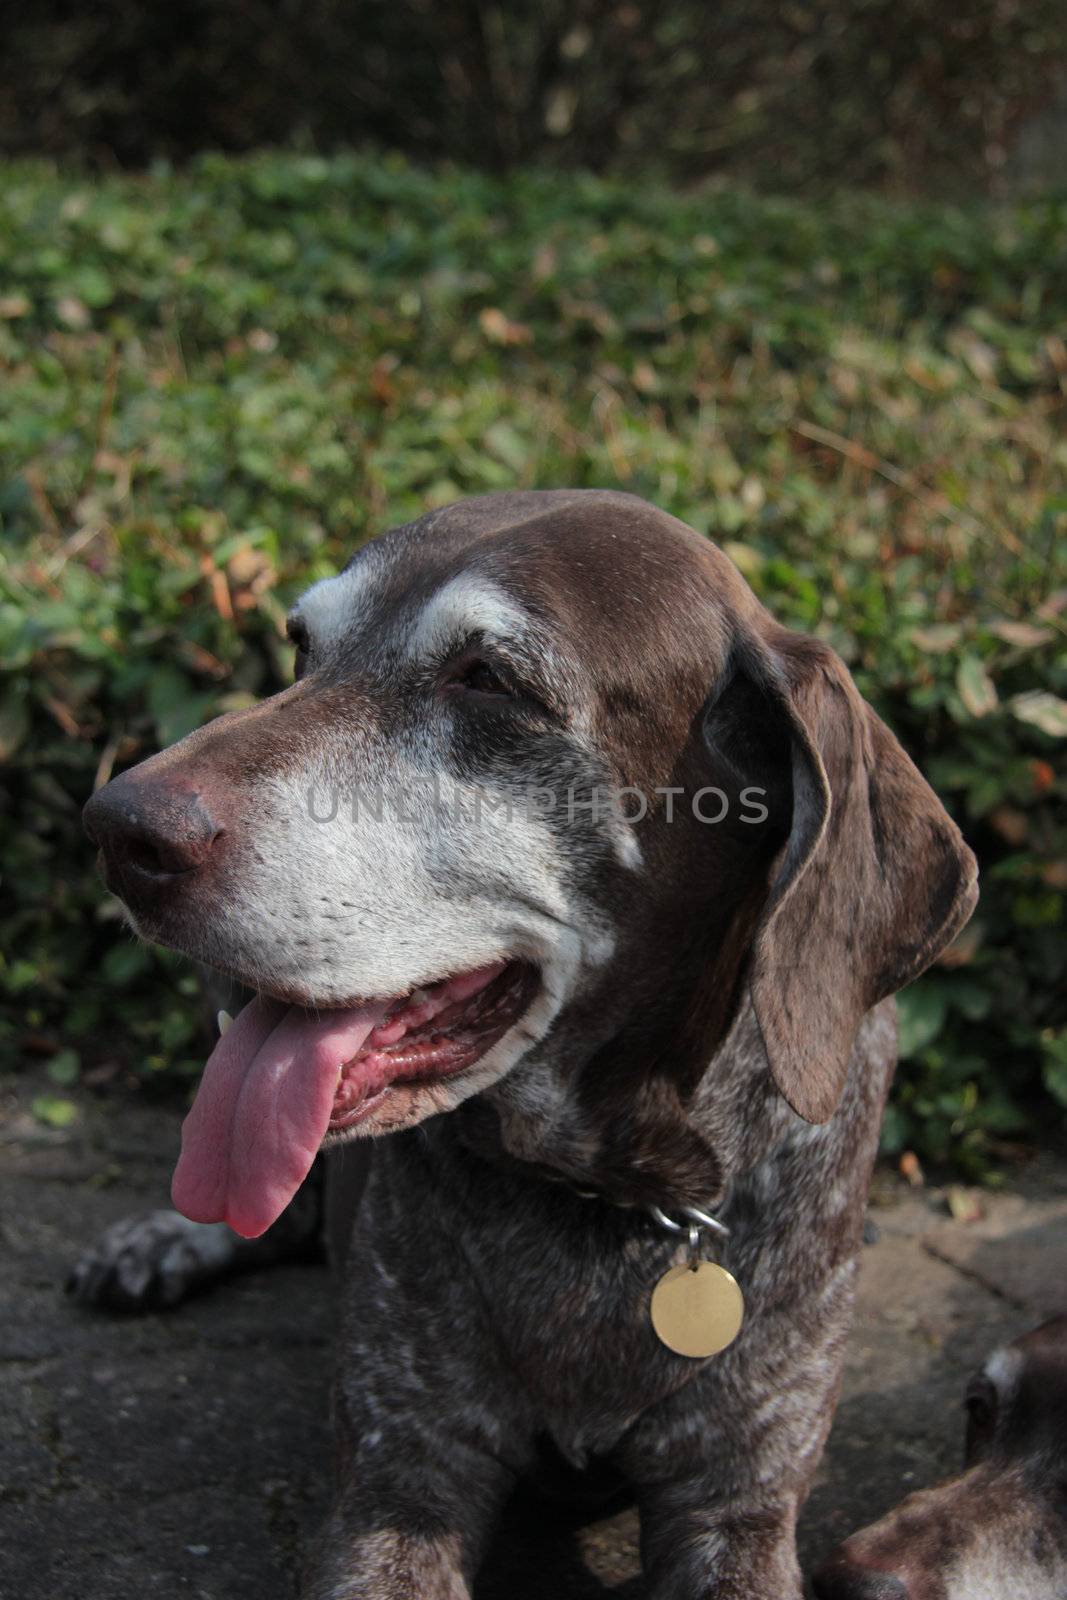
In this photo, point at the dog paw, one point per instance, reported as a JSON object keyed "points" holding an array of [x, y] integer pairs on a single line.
{"points": [[150, 1262]]}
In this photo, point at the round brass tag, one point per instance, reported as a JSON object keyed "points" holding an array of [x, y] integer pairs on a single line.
{"points": [[697, 1311]]}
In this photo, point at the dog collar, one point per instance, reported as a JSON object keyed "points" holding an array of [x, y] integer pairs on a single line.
{"points": [[695, 1218], [696, 1308], [696, 1221]]}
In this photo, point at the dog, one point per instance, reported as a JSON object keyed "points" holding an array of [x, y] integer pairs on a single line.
{"points": [[568, 868], [999, 1530]]}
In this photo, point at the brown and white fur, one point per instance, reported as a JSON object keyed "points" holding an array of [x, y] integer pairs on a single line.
{"points": [[998, 1531], [711, 1021]]}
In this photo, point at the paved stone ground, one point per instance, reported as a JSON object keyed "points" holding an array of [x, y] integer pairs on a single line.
{"points": [[189, 1454]]}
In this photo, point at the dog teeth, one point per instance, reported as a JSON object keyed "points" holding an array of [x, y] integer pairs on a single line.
{"points": [[224, 1019]]}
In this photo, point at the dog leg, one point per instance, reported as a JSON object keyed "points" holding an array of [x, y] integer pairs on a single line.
{"points": [[154, 1260], [420, 1481], [411, 1521], [695, 1549], [722, 1468], [387, 1565]]}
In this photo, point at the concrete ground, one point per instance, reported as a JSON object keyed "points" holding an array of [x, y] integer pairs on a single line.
{"points": [[189, 1453]]}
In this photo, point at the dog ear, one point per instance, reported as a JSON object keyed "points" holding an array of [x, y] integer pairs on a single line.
{"points": [[874, 879]]}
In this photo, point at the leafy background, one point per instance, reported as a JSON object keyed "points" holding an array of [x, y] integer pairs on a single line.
{"points": [[216, 384], [900, 93]]}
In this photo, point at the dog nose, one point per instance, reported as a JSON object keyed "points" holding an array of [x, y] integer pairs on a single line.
{"points": [[150, 832], [842, 1579]]}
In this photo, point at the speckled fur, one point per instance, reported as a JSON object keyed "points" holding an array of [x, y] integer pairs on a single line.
{"points": [[490, 1311], [998, 1530]]}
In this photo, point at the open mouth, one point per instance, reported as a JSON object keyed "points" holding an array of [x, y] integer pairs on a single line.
{"points": [[283, 1078], [431, 1034]]}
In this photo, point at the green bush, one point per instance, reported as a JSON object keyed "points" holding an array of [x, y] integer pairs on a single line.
{"points": [[215, 386]]}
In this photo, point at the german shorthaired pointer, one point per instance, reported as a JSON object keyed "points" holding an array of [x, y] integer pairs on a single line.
{"points": [[999, 1530], [560, 833]]}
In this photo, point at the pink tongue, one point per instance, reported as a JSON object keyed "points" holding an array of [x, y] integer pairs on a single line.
{"points": [[262, 1110]]}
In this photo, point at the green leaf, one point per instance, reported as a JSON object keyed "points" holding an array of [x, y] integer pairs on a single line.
{"points": [[175, 707], [14, 721], [972, 999], [1054, 1068], [894, 1130], [922, 1011], [976, 688], [1040, 709], [93, 286], [21, 975], [1054, 1076], [64, 1067], [508, 446], [124, 962], [54, 1111]]}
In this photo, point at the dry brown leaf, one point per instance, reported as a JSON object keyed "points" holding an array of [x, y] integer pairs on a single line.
{"points": [[202, 660], [1022, 634], [544, 263], [965, 1205], [911, 1169], [1012, 825], [963, 949], [247, 564], [938, 639], [381, 378], [73, 312], [66, 721], [499, 328], [220, 594]]}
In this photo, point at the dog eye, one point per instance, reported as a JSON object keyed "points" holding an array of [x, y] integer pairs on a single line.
{"points": [[979, 1410], [297, 634], [981, 1407], [473, 675], [481, 678]]}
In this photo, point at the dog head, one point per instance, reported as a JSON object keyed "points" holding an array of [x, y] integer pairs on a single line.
{"points": [[998, 1529], [551, 783]]}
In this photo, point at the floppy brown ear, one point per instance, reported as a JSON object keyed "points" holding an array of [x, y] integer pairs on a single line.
{"points": [[874, 881]]}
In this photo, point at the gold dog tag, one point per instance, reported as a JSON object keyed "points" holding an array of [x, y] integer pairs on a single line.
{"points": [[697, 1310]]}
